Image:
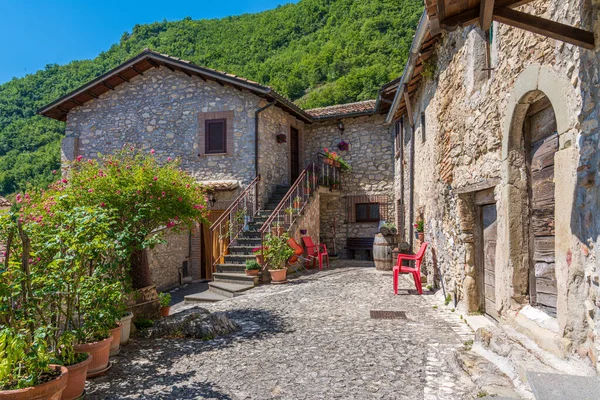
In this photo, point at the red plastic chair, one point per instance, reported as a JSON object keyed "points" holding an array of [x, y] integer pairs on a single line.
{"points": [[315, 251], [416, 271]]}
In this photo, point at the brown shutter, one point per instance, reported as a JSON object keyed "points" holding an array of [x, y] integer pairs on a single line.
{"points": [[228, 116]]}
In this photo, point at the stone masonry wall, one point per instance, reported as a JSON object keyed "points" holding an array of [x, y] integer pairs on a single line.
{"points": [[468, 116], [166, 259], [372, 173]]}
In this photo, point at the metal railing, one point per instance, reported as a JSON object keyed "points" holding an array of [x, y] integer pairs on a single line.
{"points": [[320, 171], [231, 223]]}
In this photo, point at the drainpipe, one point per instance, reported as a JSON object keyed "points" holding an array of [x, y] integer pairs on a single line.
{"points": [[256, 139], [411, 188]]}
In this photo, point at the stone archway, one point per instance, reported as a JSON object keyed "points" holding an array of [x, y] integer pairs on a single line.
{"points": [[513, 249]]}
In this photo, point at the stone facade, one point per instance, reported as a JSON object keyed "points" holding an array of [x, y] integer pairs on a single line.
{"points": [[473, 140], [372, 175], [166, 260], [165, 110]]}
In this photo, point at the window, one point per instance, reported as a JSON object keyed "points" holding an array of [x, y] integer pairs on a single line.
{"points": [[398, 128], [423, 133], [216, 136], [367, 212]]}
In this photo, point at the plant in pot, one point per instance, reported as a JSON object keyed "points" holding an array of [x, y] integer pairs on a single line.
{"points": [[344, 165], [258, 253], [297, 202], [277, 229], [77, 364], [420, 230], [125, 321], [252, 268], [276, 255], [165, 303]]}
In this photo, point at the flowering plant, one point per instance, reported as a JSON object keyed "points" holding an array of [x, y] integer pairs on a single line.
{"points": [[332, 155], [420, 226], [343, 146]]}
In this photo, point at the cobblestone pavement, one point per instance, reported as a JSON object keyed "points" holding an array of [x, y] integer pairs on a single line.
{"points": [[310, 339]]}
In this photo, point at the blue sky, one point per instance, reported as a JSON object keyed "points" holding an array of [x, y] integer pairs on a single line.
{"points": [[36, 32]]}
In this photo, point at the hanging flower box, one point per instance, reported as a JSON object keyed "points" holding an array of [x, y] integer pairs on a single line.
{"points": [[281, 138]]}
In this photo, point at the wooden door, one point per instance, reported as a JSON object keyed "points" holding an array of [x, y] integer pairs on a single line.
{"points": [[294, 154], [489, 235], [209, 245], [542, 140]]}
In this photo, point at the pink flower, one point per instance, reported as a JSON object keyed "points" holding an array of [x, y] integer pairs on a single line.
{"points": [[163, 194], [180, 199], [198, 206], [90, 190], [54, 172], [170, 224], [102, 204], [152, 151], [169, 159], [19, 198], [64, 180], [79, 158], [155, 178]]}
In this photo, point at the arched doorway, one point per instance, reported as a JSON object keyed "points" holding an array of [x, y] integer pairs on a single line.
{"points": [[540, 144]]}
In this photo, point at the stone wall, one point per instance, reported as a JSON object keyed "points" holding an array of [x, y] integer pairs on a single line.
{"points": [[372, 174], [166, 259], [471, 119]]}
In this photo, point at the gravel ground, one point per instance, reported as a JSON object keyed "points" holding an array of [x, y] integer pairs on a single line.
{"points": [[310, 339]]}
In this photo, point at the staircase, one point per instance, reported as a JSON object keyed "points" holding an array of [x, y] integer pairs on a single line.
{"points": [[230, 280]]}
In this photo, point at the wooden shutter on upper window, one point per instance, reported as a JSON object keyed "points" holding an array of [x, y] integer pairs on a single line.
{"points": [[216, 136]]}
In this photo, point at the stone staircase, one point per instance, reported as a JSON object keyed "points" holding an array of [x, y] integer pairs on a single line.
{"points": [[230, 280]]}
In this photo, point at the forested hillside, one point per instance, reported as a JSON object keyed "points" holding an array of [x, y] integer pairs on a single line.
{"points": [[316, 52]]}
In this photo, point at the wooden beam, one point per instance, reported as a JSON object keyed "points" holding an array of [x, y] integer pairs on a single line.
{"points": [[169, 67], [137, 70], [545, 27], [107, 85], [151, 61], [485, 14], [91, 94], [76, 102], [184, 71], [408, 107], [471, 16], [201, 77], [122, 77], [63, 109]]}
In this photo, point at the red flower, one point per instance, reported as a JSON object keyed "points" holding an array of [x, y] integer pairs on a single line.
{"points": [[79, 158], [155, 178], [152, 151]]}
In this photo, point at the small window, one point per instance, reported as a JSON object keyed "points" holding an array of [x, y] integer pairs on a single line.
{"points": [[367, 212], [423, 133], [216, 136], [398, 128]]}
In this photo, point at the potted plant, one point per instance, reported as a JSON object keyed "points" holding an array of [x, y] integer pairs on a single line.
{"points": [[331, 158], [344, 165], [165, 303], [26, 372], [276, 255], [94, 338], [297, 202], [77, 364], [277, 229], [419, 230], [125, 327], [258, 252], [252, 268]]}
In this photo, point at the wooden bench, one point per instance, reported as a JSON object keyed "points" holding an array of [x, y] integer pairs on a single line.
{"points": [[360, 243]]}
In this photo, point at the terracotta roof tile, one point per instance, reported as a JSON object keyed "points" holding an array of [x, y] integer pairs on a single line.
{"points": [[340, 110]]}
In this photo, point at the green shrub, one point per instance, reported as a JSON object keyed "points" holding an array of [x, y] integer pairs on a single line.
{"points": [[252, 265], [164, 299]]}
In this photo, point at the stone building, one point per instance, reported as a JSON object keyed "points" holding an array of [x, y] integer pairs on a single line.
{"points": [[496, 152], [227, 130]]}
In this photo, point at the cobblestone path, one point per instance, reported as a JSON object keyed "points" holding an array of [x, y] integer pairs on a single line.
{"points": [[310, 339]]}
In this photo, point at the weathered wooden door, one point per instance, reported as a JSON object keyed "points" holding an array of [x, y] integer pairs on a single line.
{"points": [[541, 139], [294, 154], [488, 218]]}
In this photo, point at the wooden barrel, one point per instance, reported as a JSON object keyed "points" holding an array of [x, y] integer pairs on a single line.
{"points": [[382, 251]]}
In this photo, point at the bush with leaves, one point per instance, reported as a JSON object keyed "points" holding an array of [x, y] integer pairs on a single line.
{"points": [[277, 251]]}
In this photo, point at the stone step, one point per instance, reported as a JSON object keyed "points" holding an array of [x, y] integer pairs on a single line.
{"points": [[241, 249], [234, 277], [204, 297], [248, 241], [229, 289], [239, 268], [249, 234], [238, 258]]}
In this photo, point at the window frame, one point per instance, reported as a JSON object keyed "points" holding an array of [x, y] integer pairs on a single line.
{"points": [[423, 127], [207, 123], [399, 128], [369, 218]]}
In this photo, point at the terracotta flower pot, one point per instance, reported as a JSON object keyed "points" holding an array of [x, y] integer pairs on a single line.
{"points": [[164, 311], [260, 259], [252, 272], [328, 161], [296, 205], [421, 236], [76, 379], [126, 328], [278, 275], [115, 345], [99, 352], [46, 391], [277, 230]]}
